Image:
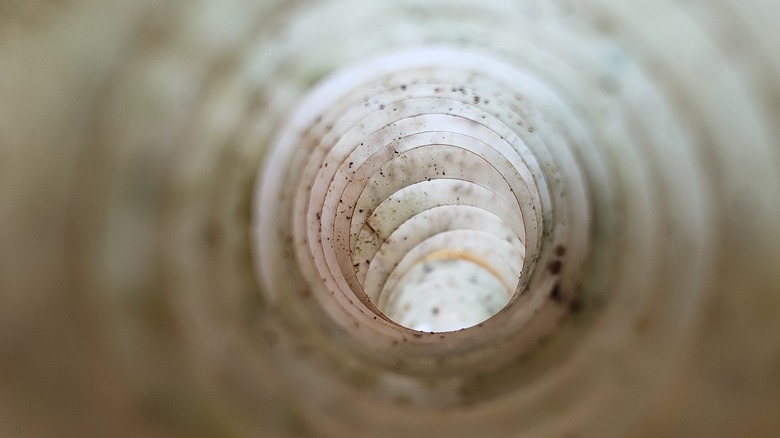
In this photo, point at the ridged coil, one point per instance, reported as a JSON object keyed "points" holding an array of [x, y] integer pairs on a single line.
{"points": [[211, 211]]}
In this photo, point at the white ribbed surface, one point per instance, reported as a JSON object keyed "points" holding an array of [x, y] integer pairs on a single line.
{"points": [[176, 258]]}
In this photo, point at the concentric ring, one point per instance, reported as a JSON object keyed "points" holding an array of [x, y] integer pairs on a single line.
{"points": [[415, 178]]}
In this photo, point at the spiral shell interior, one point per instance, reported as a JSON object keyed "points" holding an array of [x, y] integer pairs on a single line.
{"points": [[390, 218]]}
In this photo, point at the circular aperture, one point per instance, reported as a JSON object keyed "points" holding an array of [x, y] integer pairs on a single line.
{"points": [[417, 192]]}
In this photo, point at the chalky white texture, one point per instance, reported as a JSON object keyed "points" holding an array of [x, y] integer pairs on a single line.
{"points": [[401, 138], [158, 279]]}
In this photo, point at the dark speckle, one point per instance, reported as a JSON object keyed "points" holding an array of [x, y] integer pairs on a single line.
{"points": [[555, 295], [555, 267], [402, 400], [435, 311], [642, 324], [302, 352], [609, 84], [560, 251], [270, 338], [417, 335]]}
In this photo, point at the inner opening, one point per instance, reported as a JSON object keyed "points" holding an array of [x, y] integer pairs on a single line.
{"points": [[446, 294], [431, 221], [440, 255], [419, 193]]}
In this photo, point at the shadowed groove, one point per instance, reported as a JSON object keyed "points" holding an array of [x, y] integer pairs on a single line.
{"points": [[212, 212]]}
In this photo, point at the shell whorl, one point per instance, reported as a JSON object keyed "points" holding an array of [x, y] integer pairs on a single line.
{"points": [[230, 218]]}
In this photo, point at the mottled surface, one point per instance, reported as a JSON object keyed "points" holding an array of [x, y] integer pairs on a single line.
{"points": [[132, 137]]}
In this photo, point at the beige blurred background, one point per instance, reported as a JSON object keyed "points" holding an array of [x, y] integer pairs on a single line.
{"points": [[130, 138]]}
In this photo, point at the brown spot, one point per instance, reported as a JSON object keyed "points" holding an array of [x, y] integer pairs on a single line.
{"points": [[575, 306], [417, 335], [270, 338], [403, 400], [642, 324], [555, 295], [605, 24], [555, 267], [560, 250], [302, 352]]}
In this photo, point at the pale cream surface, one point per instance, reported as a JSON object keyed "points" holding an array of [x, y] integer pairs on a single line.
{"points": [[148, 287]]}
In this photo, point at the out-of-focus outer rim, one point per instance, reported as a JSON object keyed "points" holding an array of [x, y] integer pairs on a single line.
{"points": [[128, 160]]}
